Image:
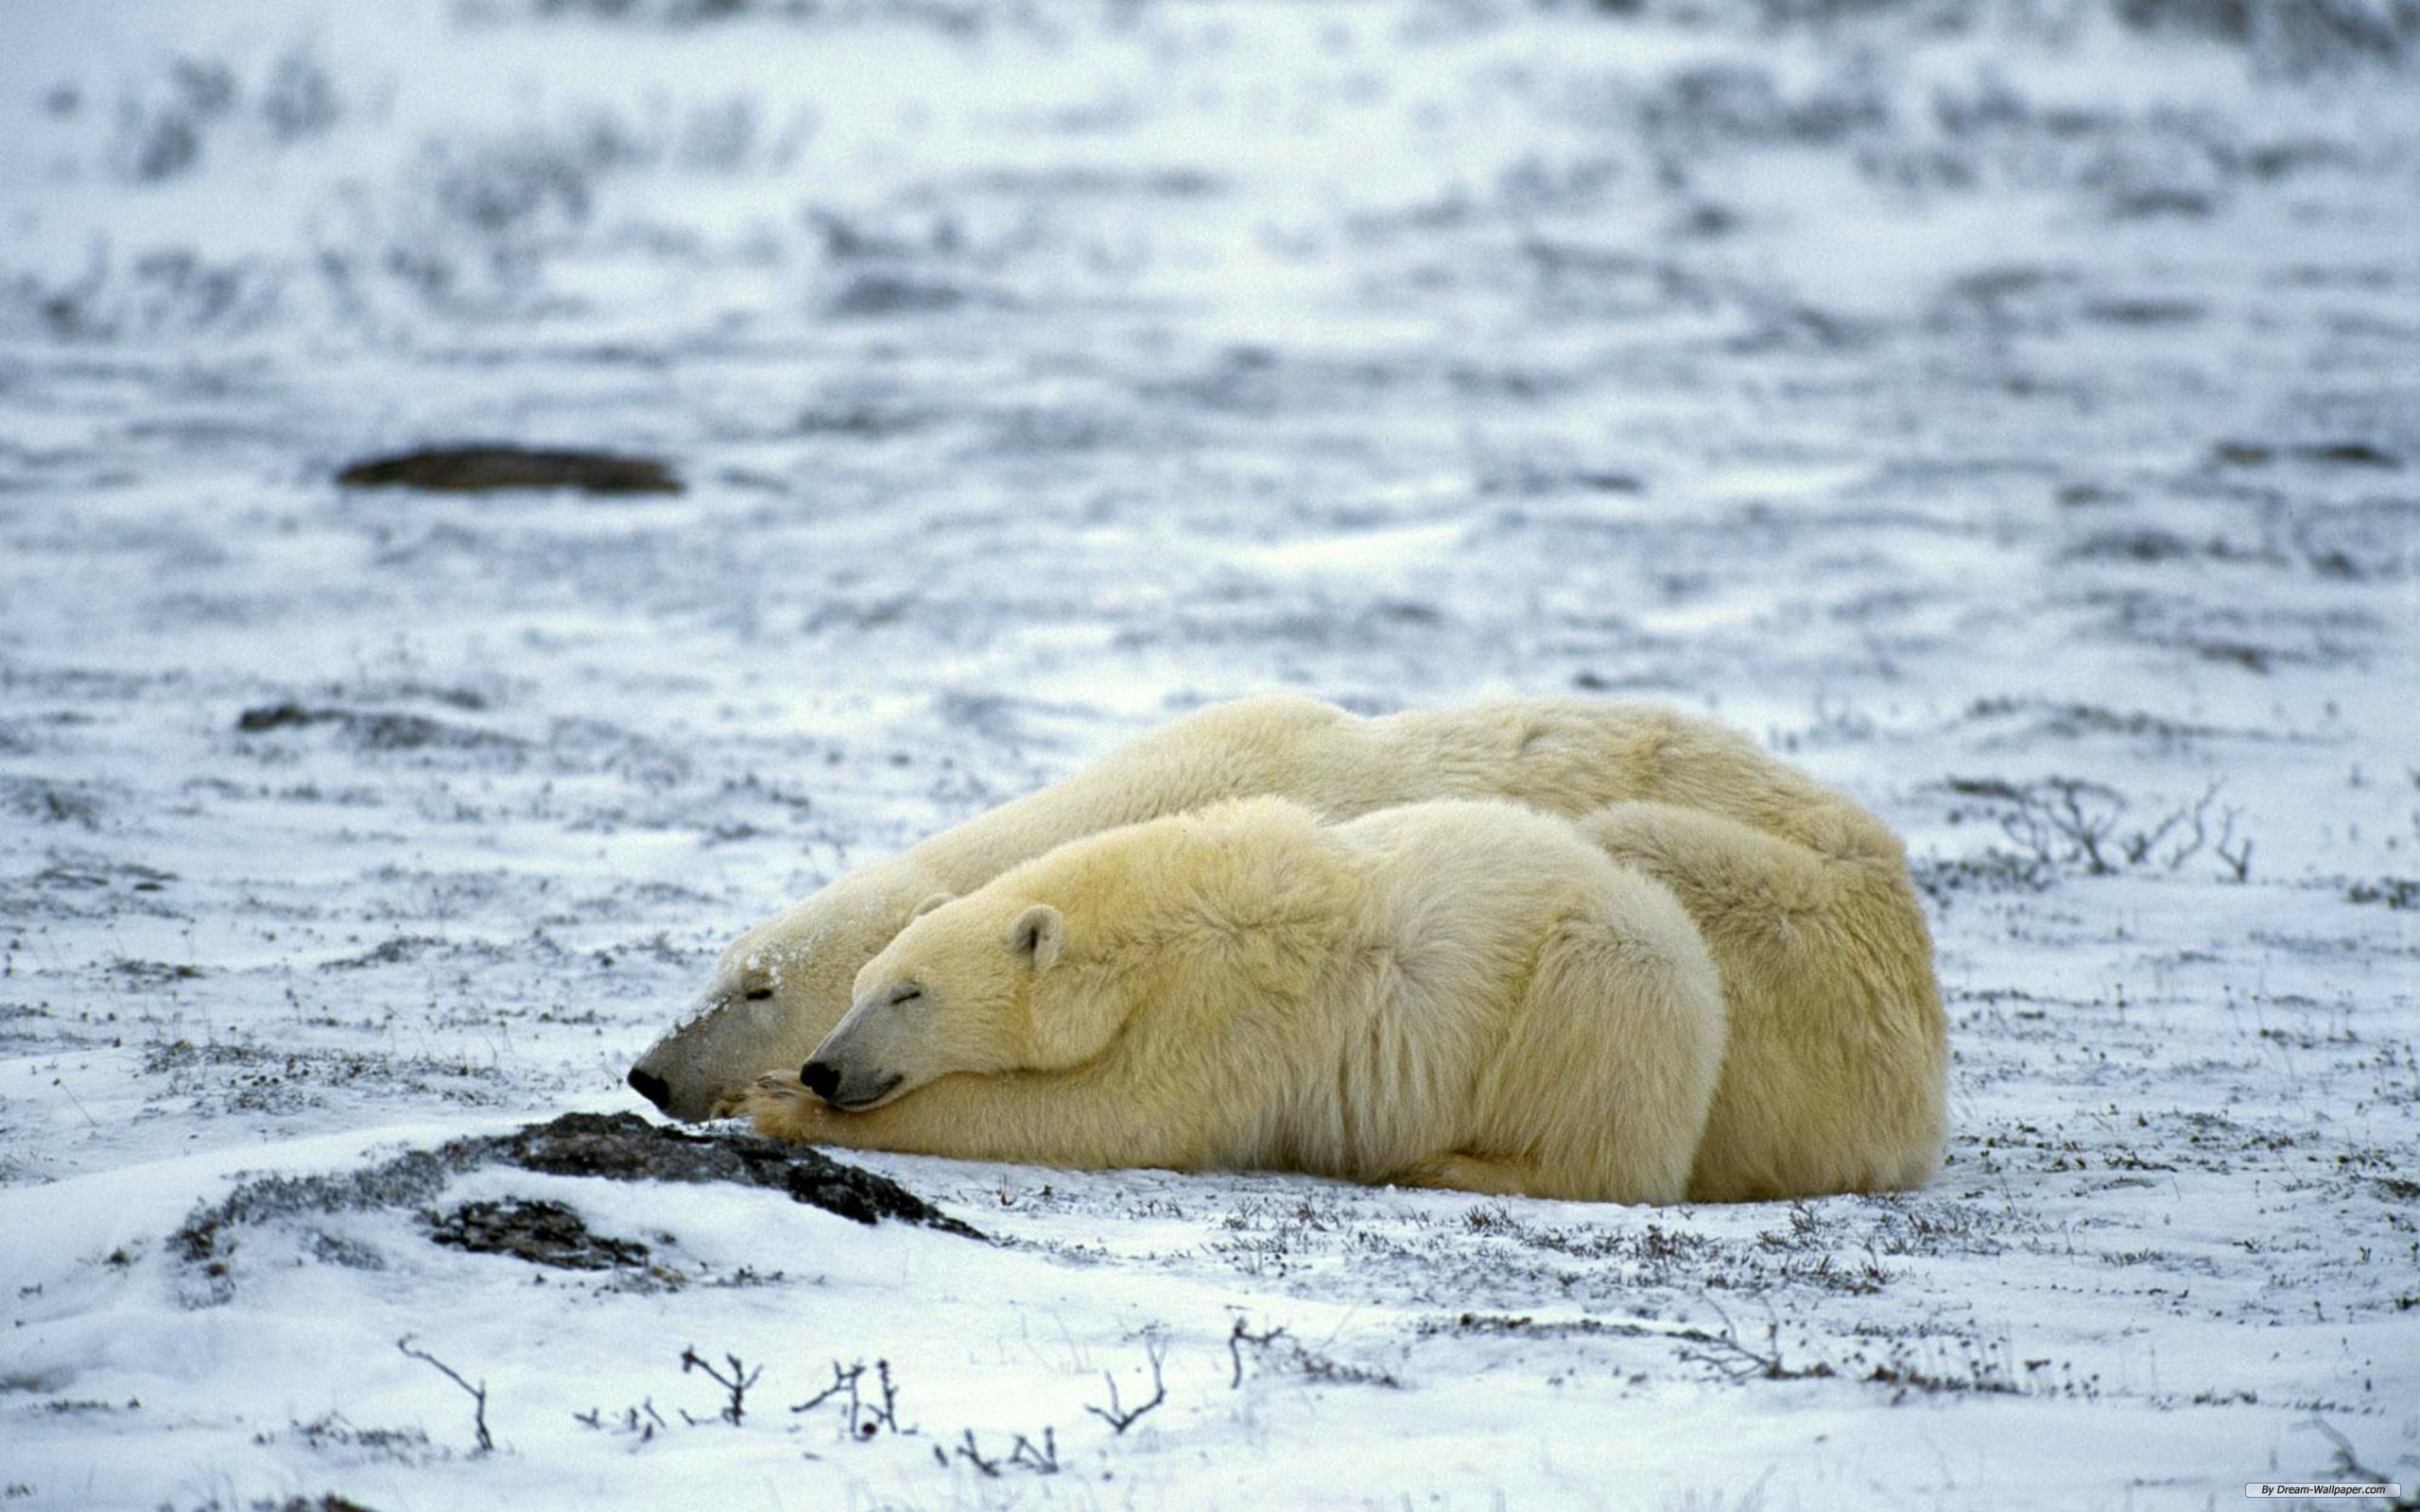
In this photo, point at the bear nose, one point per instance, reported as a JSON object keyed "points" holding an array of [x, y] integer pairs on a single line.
{"points": [[822, 1079], [650, 1086]]}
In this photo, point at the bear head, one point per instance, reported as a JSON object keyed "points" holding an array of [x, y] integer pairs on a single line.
{"points": [[777, 991], [984, 984], [1039, 969]]}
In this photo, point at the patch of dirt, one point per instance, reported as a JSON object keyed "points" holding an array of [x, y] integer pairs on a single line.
{"points": [[626, 1147], [328, 1503], [2329, 454], [2395, 892], [491, 468], [393, 952], [372, 731], [539, 1231], [615, 1147]]}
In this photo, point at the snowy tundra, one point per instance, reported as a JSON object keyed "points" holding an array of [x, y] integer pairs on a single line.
{"points": [[2004, 412]]}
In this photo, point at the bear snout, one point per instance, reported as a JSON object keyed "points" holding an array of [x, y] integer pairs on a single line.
{"points": [[821, 1077], [650, 1086], [847, 1092]]}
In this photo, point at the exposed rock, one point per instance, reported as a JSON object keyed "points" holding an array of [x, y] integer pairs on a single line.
{"points": [[614, 1146], [373, 730], [626, 1147], [484, 469], [541, 1232]]}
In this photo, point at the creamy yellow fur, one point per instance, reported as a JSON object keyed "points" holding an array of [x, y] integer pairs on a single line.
{"points": [[1834, 1078], [1801, 895], [1465, 994]]}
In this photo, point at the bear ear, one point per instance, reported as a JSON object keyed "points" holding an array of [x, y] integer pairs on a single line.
{"points": [[1038, 934], [929, 904]]}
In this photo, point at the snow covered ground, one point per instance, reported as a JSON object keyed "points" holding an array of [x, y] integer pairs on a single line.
{"points": [[2010, 411]]}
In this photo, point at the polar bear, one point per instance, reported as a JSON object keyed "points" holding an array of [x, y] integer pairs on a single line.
{"points": [[1457, 993], [1802, 894]]}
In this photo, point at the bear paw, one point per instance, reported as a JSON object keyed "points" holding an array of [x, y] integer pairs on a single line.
{"points": [[780, 1106]]}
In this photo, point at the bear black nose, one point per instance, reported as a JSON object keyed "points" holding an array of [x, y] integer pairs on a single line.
{"points": [[650, 1086], [822, 1079]]}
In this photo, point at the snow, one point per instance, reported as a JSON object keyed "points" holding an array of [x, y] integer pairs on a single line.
{"points": [[1969, 402]]}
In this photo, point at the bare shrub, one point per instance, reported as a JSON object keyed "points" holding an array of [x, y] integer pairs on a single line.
{"points": [[1120, 1418], [2063, 824], [864, 1418], [734, 1385], [477, 1394]]}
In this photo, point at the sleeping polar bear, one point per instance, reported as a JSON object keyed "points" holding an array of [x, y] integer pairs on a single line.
{"points": [[1461, 993]]}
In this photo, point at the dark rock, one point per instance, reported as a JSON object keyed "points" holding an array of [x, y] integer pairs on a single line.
{"points": [[886, 294], [484, 469], [626, 1147], [2352, 453], [2326, 454], [277, 717]]}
